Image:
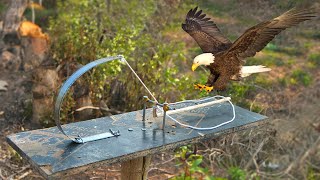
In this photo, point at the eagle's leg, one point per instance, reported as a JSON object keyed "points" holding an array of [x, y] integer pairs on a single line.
{"points": [[222, 81], [211, 80]]}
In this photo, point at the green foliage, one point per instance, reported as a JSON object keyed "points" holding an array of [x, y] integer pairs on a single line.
{"points": [[297, 77], [314, 59], [271, 59], [27, 110], [263, 81], [191, 164], [3, 7], [256, 108], [238, 92], [271, 47], [313, 174], [67, 108], [192, 168], [311, 34], [217, 9], [14, 156], [308, 44], [237, 173], [283, 81], [41, 16], [291, 51], [300, 76]]}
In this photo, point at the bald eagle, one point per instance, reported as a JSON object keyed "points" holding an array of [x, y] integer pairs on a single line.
{"points": [[225, 59]]}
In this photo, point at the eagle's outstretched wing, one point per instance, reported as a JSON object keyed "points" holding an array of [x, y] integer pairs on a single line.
{"points": [[205, 32], [257, 37]]}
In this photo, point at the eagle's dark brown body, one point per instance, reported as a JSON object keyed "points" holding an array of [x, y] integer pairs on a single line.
{"points": [[230, 57], [222, 71]]}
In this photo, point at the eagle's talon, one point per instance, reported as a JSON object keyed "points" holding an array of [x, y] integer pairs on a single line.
{"points": [[199, 86], [203, 87], [209, 88]]}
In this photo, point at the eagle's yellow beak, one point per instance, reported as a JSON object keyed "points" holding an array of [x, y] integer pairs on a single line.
{"points": [[194, 66]]}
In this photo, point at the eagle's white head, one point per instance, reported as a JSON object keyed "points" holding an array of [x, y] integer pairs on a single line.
{"points": [[202, 59]]}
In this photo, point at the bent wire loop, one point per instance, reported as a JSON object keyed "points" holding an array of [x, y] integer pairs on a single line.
{"points": [[63, 91]]}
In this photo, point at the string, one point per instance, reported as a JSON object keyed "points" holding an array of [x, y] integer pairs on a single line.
{"points": [[124, 60]]}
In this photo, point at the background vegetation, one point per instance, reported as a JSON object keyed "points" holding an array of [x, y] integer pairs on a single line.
{"points": [[87, 30]]}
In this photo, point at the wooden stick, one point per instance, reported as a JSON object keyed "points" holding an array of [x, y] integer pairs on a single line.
{"points": [[198, 106]]}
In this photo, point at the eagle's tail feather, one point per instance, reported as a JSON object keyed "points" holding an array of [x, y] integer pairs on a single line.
{"points": [[248, 70]]}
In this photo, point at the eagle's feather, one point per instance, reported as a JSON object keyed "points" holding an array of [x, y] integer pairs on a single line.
{"points": [[205, 32], [257, 37]]}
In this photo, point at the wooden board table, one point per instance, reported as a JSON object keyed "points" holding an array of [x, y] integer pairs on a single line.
{"points": [[53, 154]]}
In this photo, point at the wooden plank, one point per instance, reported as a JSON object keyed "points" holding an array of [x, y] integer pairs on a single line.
{"points": [[53, 154]]}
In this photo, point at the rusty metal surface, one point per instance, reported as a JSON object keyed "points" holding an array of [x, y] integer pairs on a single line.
{"points": [[53, 154]]}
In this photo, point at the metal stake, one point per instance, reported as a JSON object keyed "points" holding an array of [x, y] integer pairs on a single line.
{"points": [[165, 109], [145, 100]]}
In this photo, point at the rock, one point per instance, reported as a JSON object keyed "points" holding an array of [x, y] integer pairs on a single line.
{"points": [[3, 85], [9, 61]]}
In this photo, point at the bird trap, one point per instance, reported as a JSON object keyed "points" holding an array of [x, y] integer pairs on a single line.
{"points": [[157, 127]]}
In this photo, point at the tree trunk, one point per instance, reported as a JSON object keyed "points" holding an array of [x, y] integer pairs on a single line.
{"points": [[82, 98], [35, 52], [46, 82], [135, 169], [13, 18]]}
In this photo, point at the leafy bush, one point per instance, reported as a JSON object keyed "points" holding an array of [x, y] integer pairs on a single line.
{"points": [[87, 30]]}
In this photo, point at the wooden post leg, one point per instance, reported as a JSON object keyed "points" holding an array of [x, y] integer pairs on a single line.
{"points": [[135, 169]]}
